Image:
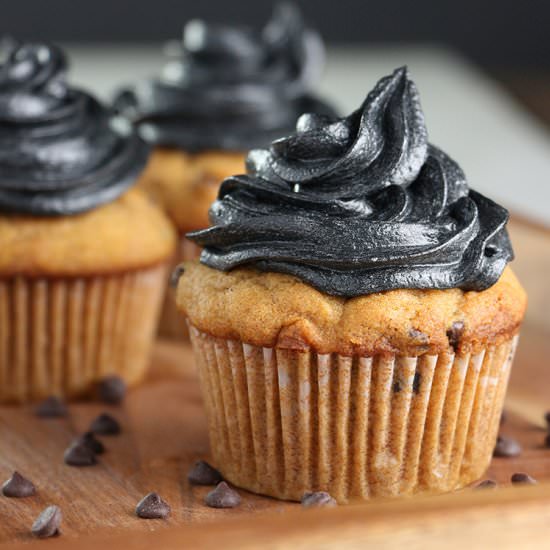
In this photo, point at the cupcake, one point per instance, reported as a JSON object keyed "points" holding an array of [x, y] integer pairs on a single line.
{"points": [[83, 259], [353, 316], [229, 89]]}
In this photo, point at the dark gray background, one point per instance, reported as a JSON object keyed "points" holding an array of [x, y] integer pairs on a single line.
{"points": [[495, 33]]}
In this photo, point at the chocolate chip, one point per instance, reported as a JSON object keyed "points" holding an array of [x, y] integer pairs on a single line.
{"points": [[520, 477], [417, 380], [396, 386], [486, 484], [506, 447], [151, 506], [318, 499], [418, 335], [52, 407], [105, 424], [111, 390], [454, 334], [547, 418], [203, 474], [18, 486], [89, 440], [222, 496], [47, 523], [79, 454], [175, 275]]}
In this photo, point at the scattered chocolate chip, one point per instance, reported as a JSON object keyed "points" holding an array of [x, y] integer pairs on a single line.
{"points": [[396, 386], [417, 380], [520, 477], [318, 499], [486, 484], [52, 407], [203, 474], [111, 390], [175, 275], [547, 418], [454, 334], [418, 335], [151, 506], [105, 424], [547, 441], [18, 486], [506, 447], [79, 454], [222, 496], [89, 440], [47, 523]]}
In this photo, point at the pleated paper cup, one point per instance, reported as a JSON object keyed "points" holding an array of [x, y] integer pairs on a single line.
{"points": [[59, 336], [172, 321], [283, 422]]}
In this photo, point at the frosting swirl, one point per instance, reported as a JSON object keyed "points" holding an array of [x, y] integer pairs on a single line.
{"points": [[231, 88], [359, 205], [61, 151]]}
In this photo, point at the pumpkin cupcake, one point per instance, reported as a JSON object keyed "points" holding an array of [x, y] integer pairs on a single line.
{"points": [[83, 259], [352, 315], [229, 89]]}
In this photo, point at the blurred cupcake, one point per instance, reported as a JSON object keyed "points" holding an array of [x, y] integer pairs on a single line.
{"points": [[82, 260], [352, 317], [229, 89]]}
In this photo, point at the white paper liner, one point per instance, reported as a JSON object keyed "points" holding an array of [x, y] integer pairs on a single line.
{"points": [[285, 422], [59, 336]]}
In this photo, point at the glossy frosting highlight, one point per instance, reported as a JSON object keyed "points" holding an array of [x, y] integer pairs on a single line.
{"points": [[61, 151], [231, 88], [359, 205]]}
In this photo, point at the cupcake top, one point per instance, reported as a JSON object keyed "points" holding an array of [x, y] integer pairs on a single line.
{"points": [[61, 151], [359, 205], [231, 88]]}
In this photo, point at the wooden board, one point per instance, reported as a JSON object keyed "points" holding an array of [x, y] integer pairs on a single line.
{"points": [[165, 431]]}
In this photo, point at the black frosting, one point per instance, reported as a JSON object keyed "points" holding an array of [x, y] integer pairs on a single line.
{"points": [[359, 205], [231, 88], [61, 151]]}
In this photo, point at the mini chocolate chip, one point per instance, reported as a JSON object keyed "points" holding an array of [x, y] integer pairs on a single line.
{"points": [[417, 380], [52, 407], [89, 440], [506, 447], [520, 477], [18, 486], [222, 496], [396, 386], [486, 484], [151, 506], [111, 390], [318, 499], [176, 274], [454, 334], [418, 335], [79, 454], [203, 474], [47, 523], [105, 424]]}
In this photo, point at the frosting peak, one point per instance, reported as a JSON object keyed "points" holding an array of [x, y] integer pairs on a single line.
{"points": [[231, 87], [61, 151], [358, 205]]}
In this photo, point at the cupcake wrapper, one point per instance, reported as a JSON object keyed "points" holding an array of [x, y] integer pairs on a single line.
{"points": [[172, 321], [59, 336], [284, 422]]}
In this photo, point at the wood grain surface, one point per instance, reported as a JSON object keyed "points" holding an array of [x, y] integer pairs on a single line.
{"points": [[165, 431]]}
